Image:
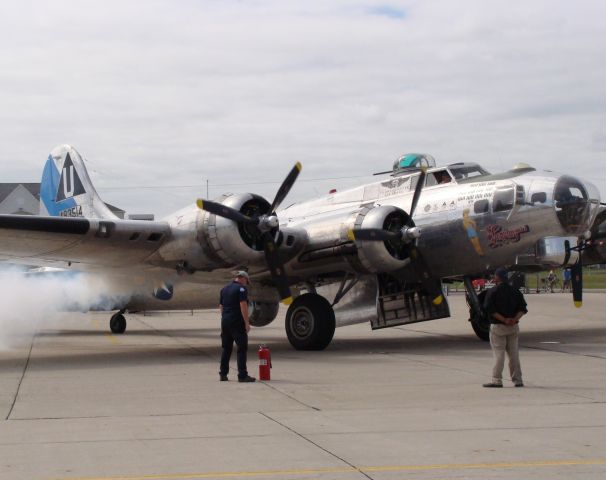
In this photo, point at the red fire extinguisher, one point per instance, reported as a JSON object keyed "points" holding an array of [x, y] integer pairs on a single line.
{"points": [[264, 362]]}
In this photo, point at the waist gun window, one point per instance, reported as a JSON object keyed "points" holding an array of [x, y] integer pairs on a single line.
{"points": [[502, 200]]}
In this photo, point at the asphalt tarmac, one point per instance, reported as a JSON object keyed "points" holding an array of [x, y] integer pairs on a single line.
{"points": [[79, 403]]}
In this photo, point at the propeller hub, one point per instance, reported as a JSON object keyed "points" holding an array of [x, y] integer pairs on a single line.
{"points": [[268, 222], [411, 233]]}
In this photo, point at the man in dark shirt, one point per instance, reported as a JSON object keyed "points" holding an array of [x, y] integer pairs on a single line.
{"points": [[504, 306], [235, 326]]}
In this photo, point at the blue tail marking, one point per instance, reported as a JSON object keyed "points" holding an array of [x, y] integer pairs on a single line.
{"points": [[49, 187]]}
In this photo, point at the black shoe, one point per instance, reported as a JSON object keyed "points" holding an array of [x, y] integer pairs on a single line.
{"points": [[223, 378], [247, 379], [493, 385], [519, 384]]}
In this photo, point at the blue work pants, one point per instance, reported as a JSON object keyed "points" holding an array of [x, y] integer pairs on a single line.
{"points": [[231, 333]]}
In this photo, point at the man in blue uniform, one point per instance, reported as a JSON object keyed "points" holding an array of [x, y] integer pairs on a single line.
{"points": [[504, 306], [235, 326]]}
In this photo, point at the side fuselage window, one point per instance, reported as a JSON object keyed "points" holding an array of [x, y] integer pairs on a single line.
{"points": [[503, 200], [480, 206], [538, 197]]}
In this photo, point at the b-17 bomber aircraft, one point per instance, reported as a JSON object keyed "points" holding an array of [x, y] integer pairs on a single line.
{"points": [[378, 252]]}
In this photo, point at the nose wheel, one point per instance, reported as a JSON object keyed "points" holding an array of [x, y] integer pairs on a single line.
{"points": [[117, 323]]}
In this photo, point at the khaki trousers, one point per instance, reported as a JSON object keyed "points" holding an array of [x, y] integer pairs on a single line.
{"points": [[504, 338]]}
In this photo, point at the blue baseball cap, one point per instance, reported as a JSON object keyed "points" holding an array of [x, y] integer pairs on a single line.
{"points": [[501, 273]]}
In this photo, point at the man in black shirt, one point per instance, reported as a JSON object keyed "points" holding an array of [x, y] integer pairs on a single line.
{"points": [[504, 305], [235, 326]]}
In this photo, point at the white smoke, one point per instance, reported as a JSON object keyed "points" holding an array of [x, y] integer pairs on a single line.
{"points": [[30, 302]]}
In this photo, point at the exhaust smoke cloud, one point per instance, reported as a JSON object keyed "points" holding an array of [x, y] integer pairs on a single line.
{"points": [[32, 301]]}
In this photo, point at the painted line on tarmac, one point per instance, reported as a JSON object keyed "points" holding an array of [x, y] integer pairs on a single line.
{"points": [[316, 471], [110, 336]]}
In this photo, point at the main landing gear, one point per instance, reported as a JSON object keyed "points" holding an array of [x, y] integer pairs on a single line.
{"points": [[117, 323], [310, 322], [477, 316]]}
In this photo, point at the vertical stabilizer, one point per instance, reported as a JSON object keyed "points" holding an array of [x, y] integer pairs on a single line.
{"points": [[66, 189]]}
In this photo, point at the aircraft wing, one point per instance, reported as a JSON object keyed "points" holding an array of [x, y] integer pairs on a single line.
{"points": [[39, 240]]}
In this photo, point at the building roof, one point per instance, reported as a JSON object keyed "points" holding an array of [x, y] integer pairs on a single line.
{"points": [[7, 188], [34, 188]]}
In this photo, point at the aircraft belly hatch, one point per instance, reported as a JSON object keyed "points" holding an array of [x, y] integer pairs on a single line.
{"points": [[402, 303]]}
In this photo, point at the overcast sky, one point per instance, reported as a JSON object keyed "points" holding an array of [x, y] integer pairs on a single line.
{"points": [[162, 96]]}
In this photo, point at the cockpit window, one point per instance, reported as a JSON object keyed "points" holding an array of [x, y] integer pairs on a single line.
{"points": [[461, 171], [438, 178], [503, 200]]}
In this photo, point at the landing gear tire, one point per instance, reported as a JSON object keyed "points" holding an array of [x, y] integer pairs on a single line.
{"points": [[117, 323], [481, 328], [310, 322], [480, 324]]}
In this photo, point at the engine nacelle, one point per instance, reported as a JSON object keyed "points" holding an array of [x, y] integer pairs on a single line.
{"points": [[233, 243], [388, 256], [230, 243], [555, 251], [262, 313]]}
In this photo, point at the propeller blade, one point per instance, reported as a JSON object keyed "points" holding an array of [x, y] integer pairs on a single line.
{"points": [[577, 283], [373, 234], [223, 211], [431, 284], [276, 268], [418, 189], [286, 186]]}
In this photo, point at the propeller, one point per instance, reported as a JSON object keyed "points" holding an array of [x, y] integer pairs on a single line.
{"points": [[224, 211], [576, 279], [265, 227], [406, 233], [576, 271], [588, 248], [432, 285], [418, 189], [404, 237]]}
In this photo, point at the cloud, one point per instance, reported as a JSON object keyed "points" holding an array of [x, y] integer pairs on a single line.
{"points": [[178, 93], [598, 141], [388, 11]]}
